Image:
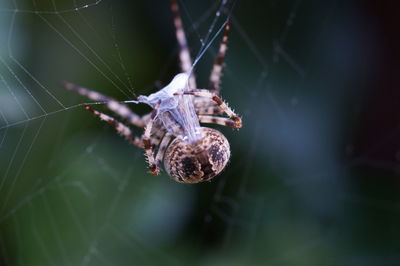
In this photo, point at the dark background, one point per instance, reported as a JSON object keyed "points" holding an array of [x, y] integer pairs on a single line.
{"points": [[313, 178]]}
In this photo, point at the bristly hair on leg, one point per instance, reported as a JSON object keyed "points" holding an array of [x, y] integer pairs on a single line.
{"points": [[118, 126]]}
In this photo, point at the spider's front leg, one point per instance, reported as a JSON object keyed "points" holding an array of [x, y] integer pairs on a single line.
{"points": [[148, 146], [184, 54], [119, 108], [235, 120], [122, 129]]}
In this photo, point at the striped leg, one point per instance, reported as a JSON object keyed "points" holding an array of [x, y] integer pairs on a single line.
{"points": [[184, 54], [236, 120], [204, 106], [161, 150], [148, 146], [208, 110], [119, 127], [119, 108], [157, 133], [216, 73], [223, 121]]}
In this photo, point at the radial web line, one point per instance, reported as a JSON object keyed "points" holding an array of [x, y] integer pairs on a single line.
{"points": [[23, 86], [83, 55], [27, 11], [10, 54], [91, 49], [13, 95], [17, 175], [121, 61]]}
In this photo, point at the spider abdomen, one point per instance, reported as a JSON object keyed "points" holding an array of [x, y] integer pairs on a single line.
{"points": [[188, 163]]}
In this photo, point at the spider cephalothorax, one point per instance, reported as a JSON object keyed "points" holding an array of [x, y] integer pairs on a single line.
{"points": [[172, 133]]}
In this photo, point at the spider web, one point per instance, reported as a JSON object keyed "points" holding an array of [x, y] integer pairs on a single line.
{"points": [[74, 193]]}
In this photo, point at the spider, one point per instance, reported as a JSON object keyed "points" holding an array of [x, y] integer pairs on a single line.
{"points": [[190, 153]]}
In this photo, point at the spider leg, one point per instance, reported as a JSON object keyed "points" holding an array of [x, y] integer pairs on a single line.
{"points": [[146, 138], [184, 54], [119, 108], [208, 110], [157, 133], [122, 129], [161, 150], [216, 73], [236, 120], [223, 121], [204, 106]]}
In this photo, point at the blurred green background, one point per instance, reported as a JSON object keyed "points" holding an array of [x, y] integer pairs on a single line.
{"points": [[313, 178]]}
